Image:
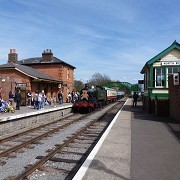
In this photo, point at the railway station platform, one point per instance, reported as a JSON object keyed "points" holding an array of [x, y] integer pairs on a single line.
{"points": [[28, 111], [136, 146], [28, 116]]}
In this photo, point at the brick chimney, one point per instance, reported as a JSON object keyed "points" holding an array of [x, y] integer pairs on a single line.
{"points": [[47, 56], [13, 56]]}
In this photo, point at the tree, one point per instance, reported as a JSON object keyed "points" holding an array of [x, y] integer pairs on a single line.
{"points": [[78, 85], [99, 80]]}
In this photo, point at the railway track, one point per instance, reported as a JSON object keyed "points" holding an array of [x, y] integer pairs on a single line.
{"points": [[75, 147], [18, 141]]}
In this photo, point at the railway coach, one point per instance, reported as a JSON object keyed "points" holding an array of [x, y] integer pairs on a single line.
{"points": [[120, 94], [111, 94]]}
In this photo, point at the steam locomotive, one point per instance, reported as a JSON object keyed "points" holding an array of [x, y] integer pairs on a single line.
{"points": [[94, 98]]}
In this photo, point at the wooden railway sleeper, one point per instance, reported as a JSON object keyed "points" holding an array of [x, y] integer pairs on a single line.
{"points": [[59, 159]]}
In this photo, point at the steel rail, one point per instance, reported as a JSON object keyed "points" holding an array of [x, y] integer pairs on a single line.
{"points": [[32, 129], [58, 149], [17, 147]]}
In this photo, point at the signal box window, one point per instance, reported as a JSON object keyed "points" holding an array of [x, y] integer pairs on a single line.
{"points": [[171, 70], [159, 77]]}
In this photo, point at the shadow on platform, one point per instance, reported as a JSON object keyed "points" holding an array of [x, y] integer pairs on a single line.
{"points": [[138, 114]]}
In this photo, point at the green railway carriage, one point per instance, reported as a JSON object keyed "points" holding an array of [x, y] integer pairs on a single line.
{"points": [[156, 72]]}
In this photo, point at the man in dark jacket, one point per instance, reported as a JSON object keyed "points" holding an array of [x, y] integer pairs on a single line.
{"points": [[135, 98], [60, 97], [17, 99], [11, 97]]}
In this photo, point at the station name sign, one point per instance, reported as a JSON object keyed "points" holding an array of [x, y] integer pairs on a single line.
{"points": [[21, 84], [170, 63]]}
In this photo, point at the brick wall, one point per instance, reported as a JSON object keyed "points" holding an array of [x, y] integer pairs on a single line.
{"points": [[174, 99], [11, 77], [59, 72]]}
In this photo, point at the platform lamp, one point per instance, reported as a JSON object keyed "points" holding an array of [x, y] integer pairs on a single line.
{"points": [[3, 80]]}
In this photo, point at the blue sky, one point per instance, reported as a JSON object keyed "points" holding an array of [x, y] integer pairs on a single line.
{"points": [[110, 37]]}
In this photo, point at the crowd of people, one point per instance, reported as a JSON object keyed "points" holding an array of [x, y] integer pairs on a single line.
{"points": [[37, 100], [72, 97], [6, 106]]}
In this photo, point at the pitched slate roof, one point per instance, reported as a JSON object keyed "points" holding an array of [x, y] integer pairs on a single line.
{"points": [[31, 72], [38, 60], [174, 45]]}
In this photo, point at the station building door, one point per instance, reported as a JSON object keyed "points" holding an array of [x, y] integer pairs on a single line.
{"points": [[23, 97]]}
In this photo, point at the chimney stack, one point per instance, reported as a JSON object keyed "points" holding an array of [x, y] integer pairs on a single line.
{"points": [[13, 56], [47, 55]]}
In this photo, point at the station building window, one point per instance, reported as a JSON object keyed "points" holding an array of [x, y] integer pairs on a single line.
{"points": [[171, 70], [159, 77], [68, 73]]}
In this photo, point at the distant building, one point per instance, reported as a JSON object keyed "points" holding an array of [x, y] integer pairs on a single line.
{"points": [[46, 73], [156, 72]]}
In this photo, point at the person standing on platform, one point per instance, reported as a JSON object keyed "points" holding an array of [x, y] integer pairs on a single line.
{"points": [[29, 97], [69, 97], [35, 99], [54, 100], [75, 97], [40, 102], [72, 96], [11, 97], [60, 97], [43, 99], [135, 98], [17, 99]]}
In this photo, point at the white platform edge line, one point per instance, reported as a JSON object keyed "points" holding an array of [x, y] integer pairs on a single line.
{"points": [[81, 172]]}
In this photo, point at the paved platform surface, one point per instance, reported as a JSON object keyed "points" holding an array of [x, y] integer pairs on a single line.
{"points": [[137, 146], [28, 111]]}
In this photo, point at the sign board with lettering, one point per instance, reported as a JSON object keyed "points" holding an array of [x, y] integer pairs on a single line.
{"points": [[21, 84], [170, 63]]}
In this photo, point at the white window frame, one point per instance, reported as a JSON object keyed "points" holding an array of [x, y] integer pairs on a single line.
{"points": [[162, 77], [167, 69], [68, 73]]}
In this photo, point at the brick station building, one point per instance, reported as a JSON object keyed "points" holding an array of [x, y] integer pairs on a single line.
{"points": [[46, 73]]}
